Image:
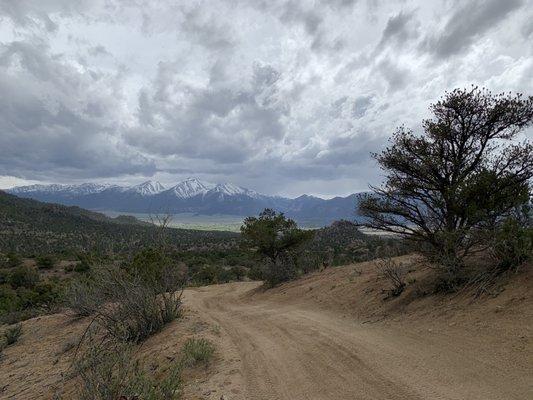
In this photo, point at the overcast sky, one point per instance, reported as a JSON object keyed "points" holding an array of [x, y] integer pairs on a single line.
{"points": [[284, 97]]}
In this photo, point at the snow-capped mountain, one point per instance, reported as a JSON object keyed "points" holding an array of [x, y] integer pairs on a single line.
{"points": [[229, 189], [191, 195], [191, 187], [84, 188], [148, 188]]}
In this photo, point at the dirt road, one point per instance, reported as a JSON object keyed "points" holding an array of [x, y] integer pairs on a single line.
{"points": [[295, 352]]}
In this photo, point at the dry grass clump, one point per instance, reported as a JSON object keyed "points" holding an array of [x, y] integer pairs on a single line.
{"points": [[197, 351], [395, 273], [84, 297], [12, 334], [109, 371]]}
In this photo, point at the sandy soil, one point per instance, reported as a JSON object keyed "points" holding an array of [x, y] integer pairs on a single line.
{"points": [[39, 365], [290, 343], [328, 335]]}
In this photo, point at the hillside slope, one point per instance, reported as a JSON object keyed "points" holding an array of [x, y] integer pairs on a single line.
{"points": [[29, 226]]}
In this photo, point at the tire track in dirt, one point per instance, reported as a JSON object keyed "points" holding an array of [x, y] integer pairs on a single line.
{"points": [[290, 352]]}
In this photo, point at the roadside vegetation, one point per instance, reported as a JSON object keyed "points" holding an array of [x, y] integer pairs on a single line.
{"points": [[461, 188]]}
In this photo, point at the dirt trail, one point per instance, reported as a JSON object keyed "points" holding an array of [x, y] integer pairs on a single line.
{"points": [[294, 352]]}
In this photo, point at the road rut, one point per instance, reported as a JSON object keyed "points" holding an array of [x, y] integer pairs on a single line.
{"points": [[295, 352]]}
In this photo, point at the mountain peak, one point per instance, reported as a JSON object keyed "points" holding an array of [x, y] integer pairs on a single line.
{"points": [[148, 188], [191, 187], [231, 190]]}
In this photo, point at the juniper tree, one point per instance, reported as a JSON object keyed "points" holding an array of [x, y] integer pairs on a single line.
{"points": [[460, 177], [276, 239]]}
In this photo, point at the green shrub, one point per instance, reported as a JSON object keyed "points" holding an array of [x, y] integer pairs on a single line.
{"points": [[84, 297], [25, 296], [82, 266], [24, 276], [127, 307], [69, 268], [238, 272], [12, 334], [197, 351], [513, 244], [13, 260], [206, 275], [18, 315], [4, 276], [150, 264], [256, 273], [9, 300], [45, 262], [279, 241], [49, 293]]}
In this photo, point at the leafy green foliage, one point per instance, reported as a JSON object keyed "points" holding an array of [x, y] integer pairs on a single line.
{"points": [[513, 244], [151, 264], [12, 260], [448, 187], [83, 266], [23, 294], [24, 277], [46, 262], [278, 240], [272, 234]]}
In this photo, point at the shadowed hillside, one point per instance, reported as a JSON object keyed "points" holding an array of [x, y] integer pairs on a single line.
{"points": [[29, 226]]}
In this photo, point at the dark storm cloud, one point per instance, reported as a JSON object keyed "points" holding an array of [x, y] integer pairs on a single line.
{"points": [[224, 124], [399, 29], [467, 22], [50, 124]]}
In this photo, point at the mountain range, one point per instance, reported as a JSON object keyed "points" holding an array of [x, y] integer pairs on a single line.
{"points": [[191, 196]]}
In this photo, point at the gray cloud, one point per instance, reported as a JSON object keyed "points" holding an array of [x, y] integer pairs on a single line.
{"points": [[400, 28], [207, 30], [282, 96], [98, 50], [466, 23], [361, 106], [225, 124], [52, 124], [395, 75]]}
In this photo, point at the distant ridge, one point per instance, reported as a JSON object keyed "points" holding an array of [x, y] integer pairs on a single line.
{"points": [[191, 195], [28, 226]]}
